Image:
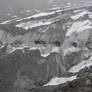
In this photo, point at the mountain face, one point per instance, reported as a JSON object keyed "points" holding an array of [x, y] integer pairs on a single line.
{"points": [[47, 52]]}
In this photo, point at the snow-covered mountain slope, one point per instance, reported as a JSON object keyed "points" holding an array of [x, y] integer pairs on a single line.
{"points": [[62, 29], [58, 42]]}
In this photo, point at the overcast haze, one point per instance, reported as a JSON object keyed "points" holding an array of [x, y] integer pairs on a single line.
{"points": [[14, 7], [35, 3]]}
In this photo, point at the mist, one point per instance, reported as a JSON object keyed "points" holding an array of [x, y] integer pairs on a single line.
{"points": [[19, 7]]}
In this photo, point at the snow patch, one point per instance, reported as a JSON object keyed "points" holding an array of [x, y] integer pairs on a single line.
{"points": [[56, 8], [30, 25], [42, 14], [70, 50], [45, 55], [45, 51], [61, 80], [76, 11], [19, 20], [56, 49], [81, 65], [8, 21], [75, 17], [79, 26]]}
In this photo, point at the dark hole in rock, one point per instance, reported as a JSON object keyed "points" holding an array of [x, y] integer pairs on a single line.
{"points": [[16, 43], [89, 45], [57, 43], [74, 44], [1, 43], [39, 42]]}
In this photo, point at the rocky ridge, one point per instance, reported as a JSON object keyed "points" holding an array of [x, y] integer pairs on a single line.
{"points": [[47, 52]]}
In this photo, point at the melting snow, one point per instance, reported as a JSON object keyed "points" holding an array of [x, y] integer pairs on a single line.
{"points": [[45, 55], [75, 17], [56, 49], [56, 8], [8, 21], [5, 22], [19, 20], [12, 49], [79, 26], [70, 50], [61, 80], [29, 25], [43, 14], [43, 50], [81, 65], [78, 10]]}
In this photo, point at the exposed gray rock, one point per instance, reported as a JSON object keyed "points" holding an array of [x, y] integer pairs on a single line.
{"points": [[31, 58]]}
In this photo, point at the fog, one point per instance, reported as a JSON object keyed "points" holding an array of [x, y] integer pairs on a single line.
{"points": [[16, 6], [41, 4]]}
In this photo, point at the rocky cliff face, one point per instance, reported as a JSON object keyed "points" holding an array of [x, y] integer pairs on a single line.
{"points": [[47, 52]]}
